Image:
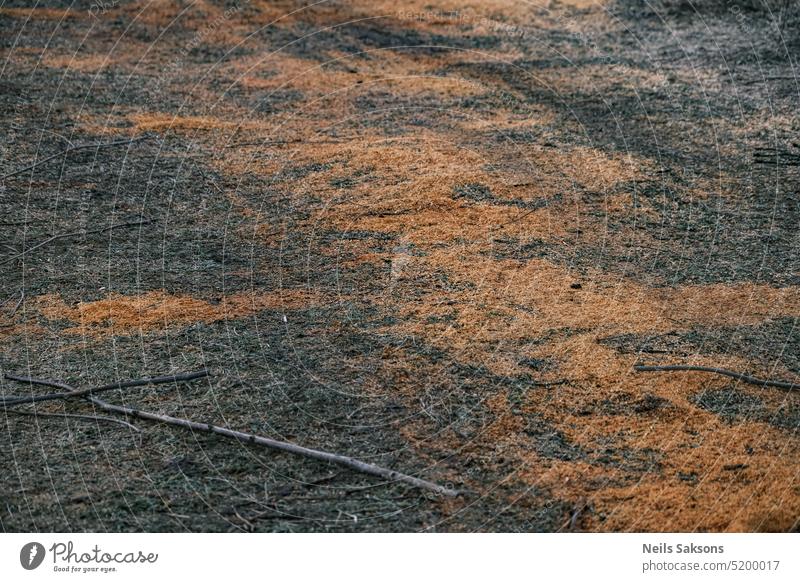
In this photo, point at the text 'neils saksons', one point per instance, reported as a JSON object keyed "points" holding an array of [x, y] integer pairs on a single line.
{"points": [[663, 548]]}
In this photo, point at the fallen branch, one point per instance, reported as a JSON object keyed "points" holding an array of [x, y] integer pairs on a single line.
{"points": [[71, 234], [73, 393], [743, 377], [75, 416], [72, 149], [244, 437]]}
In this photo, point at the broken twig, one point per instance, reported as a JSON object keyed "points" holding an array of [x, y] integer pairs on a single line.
{"points": [[73, 393], [244, 437], [743, 377], [75, 416]]}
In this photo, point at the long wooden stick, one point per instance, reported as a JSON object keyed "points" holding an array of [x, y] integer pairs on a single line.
{"points": [[72, 149], [73, 393], [71, 234], [244, 437], [743, 377]]}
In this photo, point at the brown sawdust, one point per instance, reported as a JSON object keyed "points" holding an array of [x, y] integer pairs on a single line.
{"points": [[409, 188], [84, 64], [125, 315], [43, 13]]}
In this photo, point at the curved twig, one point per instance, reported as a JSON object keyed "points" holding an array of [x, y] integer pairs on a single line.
{"points": [[71, 392], [743, 377]]}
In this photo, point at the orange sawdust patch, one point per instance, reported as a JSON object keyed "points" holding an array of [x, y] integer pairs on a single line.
{"points": [[123, 315], [707, 475], [502, 121], [211, 22], [84, 64], [409, 187], [742, 304], [481, 16], [511, 302], [711, 476], [42, 13], [341, 82]]}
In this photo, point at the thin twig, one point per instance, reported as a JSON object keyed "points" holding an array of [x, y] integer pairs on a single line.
{"points": [[244, 437], [282, 142], [19, 303], [577, 511], [75, 416], [72, 149], [743, 377], [73, 393], [74, 233]]}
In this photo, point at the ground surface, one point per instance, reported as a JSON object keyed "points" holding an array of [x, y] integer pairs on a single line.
{"points": [[434, 240]]}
